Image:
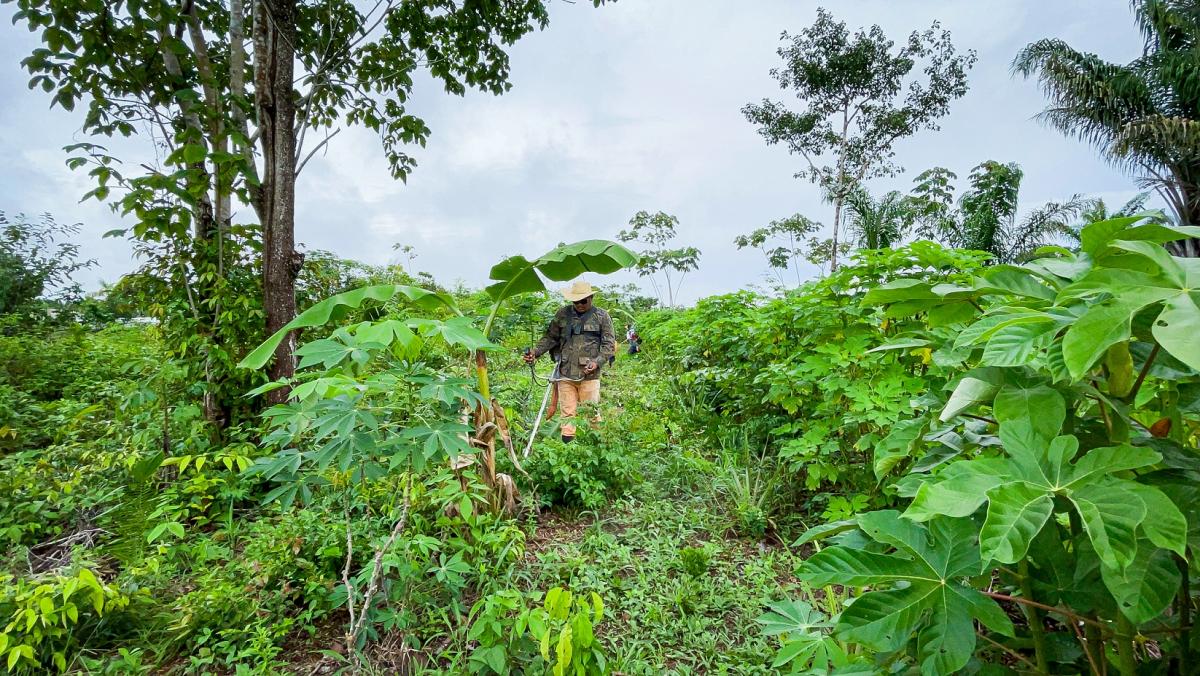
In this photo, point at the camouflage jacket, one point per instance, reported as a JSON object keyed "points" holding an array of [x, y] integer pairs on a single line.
{"points": [[574, 340]]}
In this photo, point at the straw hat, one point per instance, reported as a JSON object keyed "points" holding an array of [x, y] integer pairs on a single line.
{"points": [[577, 291]]}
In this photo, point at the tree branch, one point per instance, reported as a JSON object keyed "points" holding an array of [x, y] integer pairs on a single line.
{"points": [[320, 145]]}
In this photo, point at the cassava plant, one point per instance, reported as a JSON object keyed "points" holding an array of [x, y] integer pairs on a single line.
{"points": [[1057, 473]]}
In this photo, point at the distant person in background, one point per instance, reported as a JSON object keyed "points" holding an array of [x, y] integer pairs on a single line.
{"points": [[634, 340], [582, 336]]}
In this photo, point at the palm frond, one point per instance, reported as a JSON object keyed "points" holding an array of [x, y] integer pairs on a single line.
{"points": [[1044, 225], [1133, 206]]}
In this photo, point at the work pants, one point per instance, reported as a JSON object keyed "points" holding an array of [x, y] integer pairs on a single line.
{"points": [[568, 395]]}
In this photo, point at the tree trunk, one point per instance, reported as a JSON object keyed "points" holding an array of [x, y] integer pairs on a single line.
{"points": [[274, 54], [837, 221], [1188, 248]]}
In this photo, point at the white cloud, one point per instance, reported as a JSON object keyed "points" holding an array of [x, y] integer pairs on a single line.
{"points": [[634, 105]]}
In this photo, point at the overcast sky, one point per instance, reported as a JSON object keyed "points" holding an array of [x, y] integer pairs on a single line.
{"points": [[631, 106]]}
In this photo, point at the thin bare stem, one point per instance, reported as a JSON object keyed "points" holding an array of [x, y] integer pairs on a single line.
{"points": [[1011, 653], [320, 145], [1137, 384], [1050, 609]]}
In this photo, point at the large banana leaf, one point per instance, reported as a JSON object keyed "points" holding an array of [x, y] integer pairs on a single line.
{"points": [[517, 274], [337, 306], [919, 588]]}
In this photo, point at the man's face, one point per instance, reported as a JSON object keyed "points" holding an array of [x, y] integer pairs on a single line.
{"points": [[583, 304]]}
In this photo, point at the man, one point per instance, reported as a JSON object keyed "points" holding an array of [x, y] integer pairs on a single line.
{"points": [[581, 334]]}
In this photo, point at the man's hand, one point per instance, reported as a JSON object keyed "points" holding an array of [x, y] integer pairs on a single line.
{"points": [[529, 357], [590, 367]]}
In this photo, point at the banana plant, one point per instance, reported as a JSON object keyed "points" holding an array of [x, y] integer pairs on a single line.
{"points": [[511, 277]]}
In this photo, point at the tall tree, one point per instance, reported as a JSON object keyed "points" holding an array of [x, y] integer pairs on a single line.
{"points": [[229, 120], [1143, 116], [985, 217], [655, 232], [782, 242], [860, 96], [37, 259]]}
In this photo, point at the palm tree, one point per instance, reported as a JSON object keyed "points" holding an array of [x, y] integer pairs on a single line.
{"points": [[878, 224], [1141, 115], [986, 214], [1096, 211]]}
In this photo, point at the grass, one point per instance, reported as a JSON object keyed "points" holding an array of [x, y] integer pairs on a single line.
{"points": [[661, 618]]}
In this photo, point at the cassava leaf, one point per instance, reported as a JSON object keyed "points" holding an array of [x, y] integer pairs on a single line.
{"points": [[1040, 404], [1144, 588], [977, 387], [917, 589], [336, 306]]}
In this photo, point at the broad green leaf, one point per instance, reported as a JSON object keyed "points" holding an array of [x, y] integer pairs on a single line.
{"points": [[518, 275], [390, 332], [455, 331], [792, 617], [1144, 588], [825, 530], [1059, 268], [884, 620], [1042, 406], [1165, 524], [858, 568], [1110, 459], [948, 641], [801, 649], [959, 490], [897, 445], [1162, 260], [445, 440], [1102, 326], [900, 344], [1056, 364], [927, 596], [1096, 236], [336, 306], [1016, 345], [326, 351], [1018, 281], [899, 290], [1029, 450], [980, 386], [1110, 514], [950, 313], [1160, 233], [1016, 514], [985, 610], [1177, 328], [493, 656], [1130, 285], [997, 319]]}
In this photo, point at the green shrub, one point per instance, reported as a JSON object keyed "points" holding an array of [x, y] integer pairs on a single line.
{"points": [[557, 636], [586, 472], [50, 617]]}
